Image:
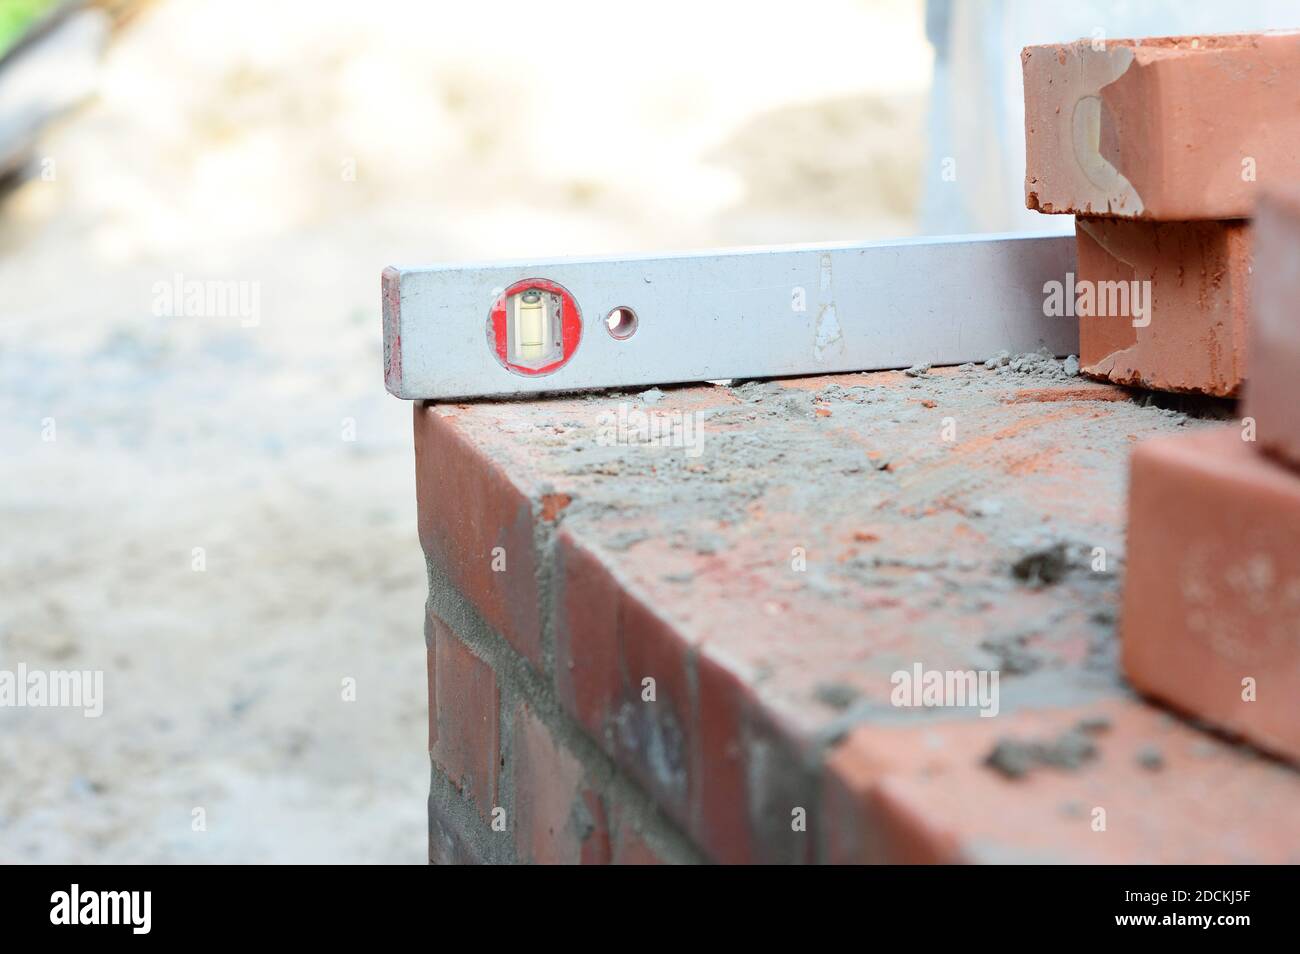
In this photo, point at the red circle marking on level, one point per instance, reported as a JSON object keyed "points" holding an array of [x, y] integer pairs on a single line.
{"points": [[570, 325]]}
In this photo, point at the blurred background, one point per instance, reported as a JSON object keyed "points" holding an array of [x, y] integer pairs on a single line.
{"points": [[219, 512]]}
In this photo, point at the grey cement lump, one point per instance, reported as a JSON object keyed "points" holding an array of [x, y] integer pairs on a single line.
{"points": [[1045, 566], [1041, 363], [1151, 759], [837, 695], [1016, 758]]}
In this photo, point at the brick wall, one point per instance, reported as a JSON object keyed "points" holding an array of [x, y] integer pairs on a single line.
{"points": [[652, 650], [514, 779]]}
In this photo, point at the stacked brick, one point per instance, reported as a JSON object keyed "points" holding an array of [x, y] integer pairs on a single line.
{"points": [[1159, 147], [1211, 618], [1169, 152]]}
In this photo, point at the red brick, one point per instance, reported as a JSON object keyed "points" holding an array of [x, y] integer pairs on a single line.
{"points": [[589, 667], [607, 643], [723, 809], [1160, 128], [1197, 309], [694, 756], [559, 817], [628, 842], [867, 823], [751, 777], [467, 509], [466, 702], [926, 793], [633, 849], [1273, 392], [1212, 592]]}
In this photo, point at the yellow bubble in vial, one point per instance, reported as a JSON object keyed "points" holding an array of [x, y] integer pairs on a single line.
{"points": [[530, 324]]}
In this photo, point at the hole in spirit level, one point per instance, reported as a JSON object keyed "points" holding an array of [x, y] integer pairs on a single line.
{"points": [[621, 322]]}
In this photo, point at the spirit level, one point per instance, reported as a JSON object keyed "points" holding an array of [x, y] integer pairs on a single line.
{"points": [[564, 325]]}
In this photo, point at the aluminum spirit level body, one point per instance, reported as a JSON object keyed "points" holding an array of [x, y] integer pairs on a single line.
{"points": [[525, 328]]}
